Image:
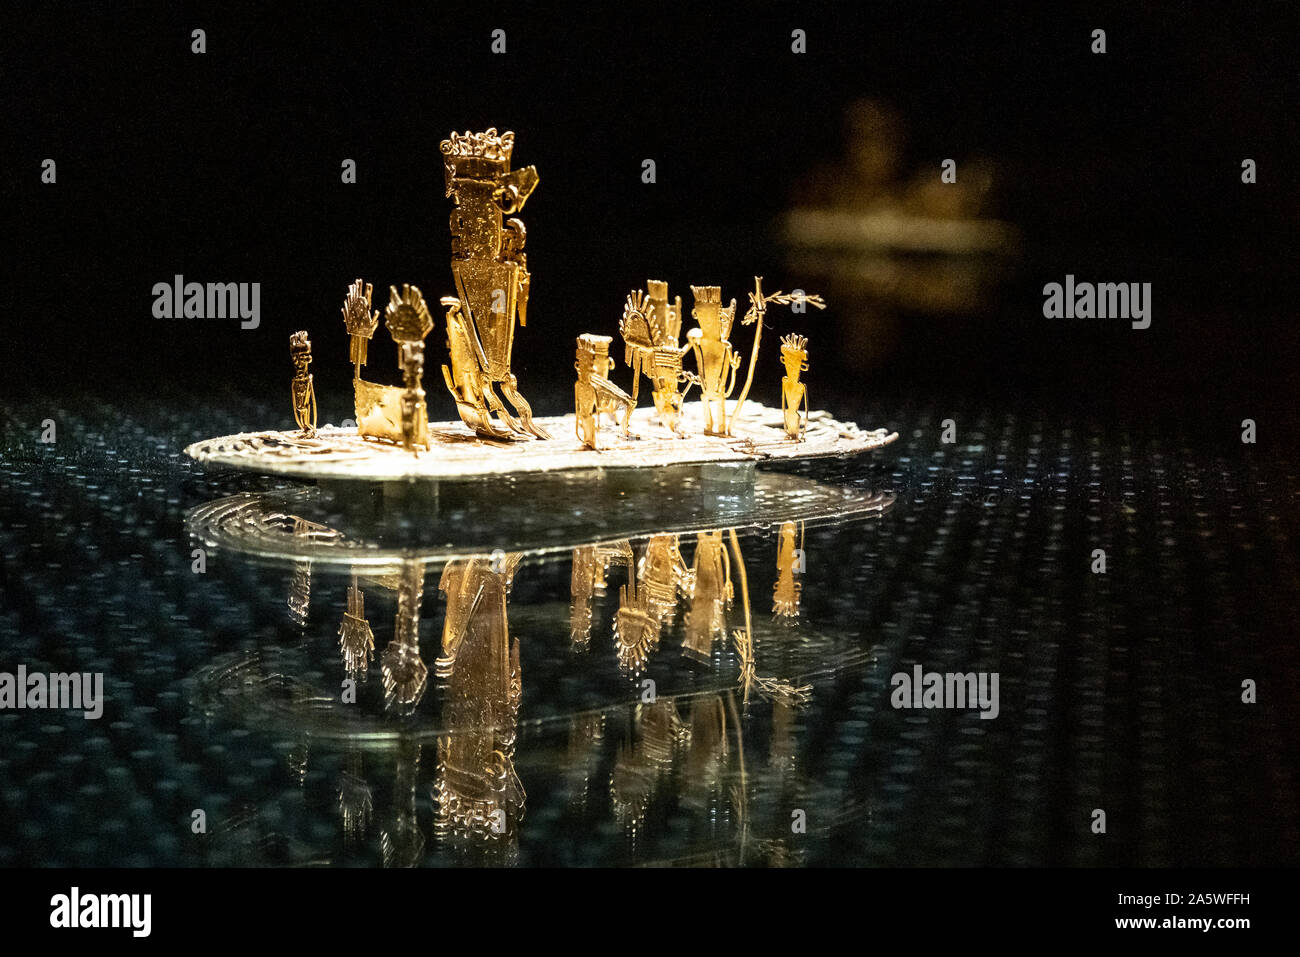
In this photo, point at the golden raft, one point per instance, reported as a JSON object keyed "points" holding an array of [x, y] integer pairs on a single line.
{"points": [[391, 437], [457, 453]]}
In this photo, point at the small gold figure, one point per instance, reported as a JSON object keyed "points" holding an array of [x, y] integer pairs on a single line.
{"points": [[356, 639], [360, 322], [706, 621], [651, 329], [794, 394], [715, 359], [789, 560], [492, 280], [642, 765], [593, 392], [398, 415], [304, 392]]}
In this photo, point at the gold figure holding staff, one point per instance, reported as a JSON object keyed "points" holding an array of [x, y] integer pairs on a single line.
{"points": [[715, 359]]}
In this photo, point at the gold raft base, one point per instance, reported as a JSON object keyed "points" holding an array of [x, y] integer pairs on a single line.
{"points": [[455, 452], [379, 413]]}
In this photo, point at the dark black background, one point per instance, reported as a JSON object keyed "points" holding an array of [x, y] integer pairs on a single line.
{"points": [[226, 167]]}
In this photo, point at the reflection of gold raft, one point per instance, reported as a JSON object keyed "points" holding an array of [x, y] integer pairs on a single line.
{"points": [[379, 413]]}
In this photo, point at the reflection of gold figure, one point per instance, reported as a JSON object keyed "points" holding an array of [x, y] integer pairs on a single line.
{"points": [[794, 353], [300, 592], [300, 585], [651, 329], [754, 316], [663, 573], [661, 734], [712, 595], [356, 801], [356, 639], [716, 360], [492, 279], [304, 392], [593, 393], [360, 322], [389, 412], [409, 322], [588, 580], [477, 790], [787, 591], [405, 673], [583, 754]]}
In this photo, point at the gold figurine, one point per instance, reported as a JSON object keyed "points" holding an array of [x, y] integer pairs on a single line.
{"points": [[789, 561], [716, 360], [754, 316], [360, 322], [356, 638], [492, 280], [651, 329], [395, 414], [706, 621], [477, 792], [304, 392], [408, 323], [593, 393], [794, 394]]}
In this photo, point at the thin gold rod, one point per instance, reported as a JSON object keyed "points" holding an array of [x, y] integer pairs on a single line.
{"points": [[759, 308]]}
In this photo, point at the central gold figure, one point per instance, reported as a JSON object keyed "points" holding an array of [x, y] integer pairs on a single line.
{"points": [[492, 280], [476, 790]]}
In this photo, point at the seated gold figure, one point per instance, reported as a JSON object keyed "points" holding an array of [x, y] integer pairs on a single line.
{"points": [[593, 393]]}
